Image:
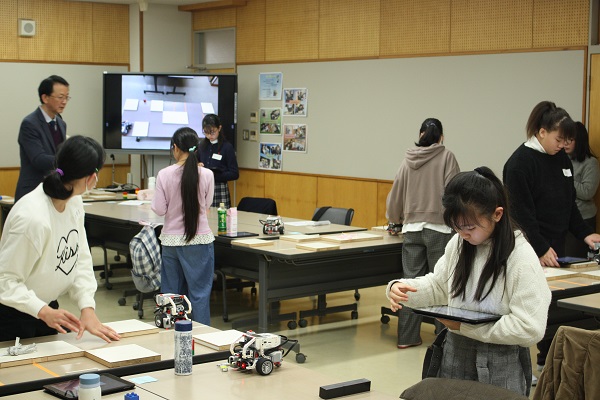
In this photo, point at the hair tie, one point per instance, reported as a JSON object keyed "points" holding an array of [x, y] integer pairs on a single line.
{"points": [[193, 148], [479, 171], [60, 172]]}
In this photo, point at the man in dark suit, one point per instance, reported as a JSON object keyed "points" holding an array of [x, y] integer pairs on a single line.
{"points": [[41, 133]]}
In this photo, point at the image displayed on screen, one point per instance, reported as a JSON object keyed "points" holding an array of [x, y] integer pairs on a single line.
{"points": [[156, 106], [142, 111]]}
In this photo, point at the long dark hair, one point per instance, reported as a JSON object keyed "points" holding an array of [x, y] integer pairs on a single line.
{"points": [[546, 115], [468, 196], [582, 148], [186, 139], [431, 132], [78, 157], [212, 121]]}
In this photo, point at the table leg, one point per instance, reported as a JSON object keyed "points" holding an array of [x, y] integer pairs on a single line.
{"points": [[263, 305]]}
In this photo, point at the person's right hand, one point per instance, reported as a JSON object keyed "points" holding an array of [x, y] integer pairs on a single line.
{"points": [[59, 319], [398, 293], [549, 259]]}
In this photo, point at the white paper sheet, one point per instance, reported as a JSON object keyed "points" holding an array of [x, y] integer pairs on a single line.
{"points": [[131, 105], [175, 117], [140, 128], [157, 105], [207, 108]]}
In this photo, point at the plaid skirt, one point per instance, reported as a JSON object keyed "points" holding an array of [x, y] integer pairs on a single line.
{"points": [[221, 195], [507, 366]]}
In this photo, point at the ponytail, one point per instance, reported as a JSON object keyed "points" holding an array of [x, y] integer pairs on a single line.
{"points": [[78, 157]]}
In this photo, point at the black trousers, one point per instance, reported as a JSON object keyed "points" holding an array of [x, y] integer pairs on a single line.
{"points": [[14, 323]]}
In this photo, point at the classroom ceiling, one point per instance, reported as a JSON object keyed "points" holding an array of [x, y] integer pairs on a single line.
{"points": [[169, 2]]}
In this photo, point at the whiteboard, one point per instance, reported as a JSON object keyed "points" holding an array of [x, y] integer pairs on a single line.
{"points": [[364, 114], [83, 114]]}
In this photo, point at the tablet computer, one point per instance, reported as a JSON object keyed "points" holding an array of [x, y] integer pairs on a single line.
{"points": [[108, 384], [564, 261], [238, 235], [457, 314]]}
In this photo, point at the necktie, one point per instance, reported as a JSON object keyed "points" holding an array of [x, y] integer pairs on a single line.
{"points": [[56, 136]]}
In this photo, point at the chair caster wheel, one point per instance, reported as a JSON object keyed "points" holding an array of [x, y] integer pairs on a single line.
{"points": [[300, 358], [136, 306], [292, 325], [122, 301], [302, 323], [384, 319], [354, 315]]}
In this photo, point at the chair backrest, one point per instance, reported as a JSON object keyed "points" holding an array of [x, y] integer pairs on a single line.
{"points": [[261, 205], [335, 215]]}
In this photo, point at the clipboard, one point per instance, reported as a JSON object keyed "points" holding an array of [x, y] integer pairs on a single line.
{"points": [[457, 314]]}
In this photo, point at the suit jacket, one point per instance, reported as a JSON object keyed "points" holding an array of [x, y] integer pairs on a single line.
{"points": [[37, 150]]}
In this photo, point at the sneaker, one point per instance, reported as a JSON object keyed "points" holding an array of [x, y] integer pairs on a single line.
{"points": [[406, 346], [540, 367], [534, 380]]}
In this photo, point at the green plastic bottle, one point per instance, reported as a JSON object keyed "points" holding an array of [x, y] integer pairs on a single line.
{"points": [[222, 219]]}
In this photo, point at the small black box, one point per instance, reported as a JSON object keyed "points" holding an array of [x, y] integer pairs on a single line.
{"points": [[344, 388]]}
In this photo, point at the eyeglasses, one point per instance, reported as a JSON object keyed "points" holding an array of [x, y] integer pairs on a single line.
{"points": [[211, 132], [62, 98]]}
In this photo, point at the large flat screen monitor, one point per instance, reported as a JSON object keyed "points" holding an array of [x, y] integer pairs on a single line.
{"points": [[141, 111]]}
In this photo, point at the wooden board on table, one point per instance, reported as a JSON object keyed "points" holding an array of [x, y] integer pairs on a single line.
{"points": [[252, 242], [132, 327], [317, 246], [555, 273], [572, 282], [220, 340], [590, 274], [300, 238], [121, 356], [351, 237], [48, 351]]}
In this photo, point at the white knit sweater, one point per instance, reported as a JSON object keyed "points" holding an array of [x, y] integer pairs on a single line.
{"points": [[522, 298]]}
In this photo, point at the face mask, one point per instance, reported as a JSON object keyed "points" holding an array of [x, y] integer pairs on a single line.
{"points": [[215, 141], [87, 190]]}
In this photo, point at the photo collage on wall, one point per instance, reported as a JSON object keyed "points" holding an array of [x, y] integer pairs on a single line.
{"points": [[277, 134]]}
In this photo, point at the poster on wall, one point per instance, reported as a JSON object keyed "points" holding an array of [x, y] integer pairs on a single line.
{"points": [[269, 156], [294, 137], [295, 102], [269, 85], [270, 121]]}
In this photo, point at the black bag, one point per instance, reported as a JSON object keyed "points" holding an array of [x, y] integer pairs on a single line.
{"points": [[433, 356]]}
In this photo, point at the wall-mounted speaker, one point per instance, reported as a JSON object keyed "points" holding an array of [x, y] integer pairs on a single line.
{"points": [[26, 27]]}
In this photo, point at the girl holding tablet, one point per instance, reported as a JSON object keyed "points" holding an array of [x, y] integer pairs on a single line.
{"points": [[489, 267]]}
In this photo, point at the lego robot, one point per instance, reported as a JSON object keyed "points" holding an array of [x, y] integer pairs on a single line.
{"points": [[171, 308], [273, 225], [259, 351]]}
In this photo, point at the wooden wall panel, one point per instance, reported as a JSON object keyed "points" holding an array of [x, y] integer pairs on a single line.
{"points": [[594, 118], [63, 31], [347, 193], [110, 33], [349, 29], [214, 19], [250, 32], [8, 30], [483, 25], [383, 188], [415, 27], [292, 30], [296, 195], [560, 23], [251, 183], [8, 181]]}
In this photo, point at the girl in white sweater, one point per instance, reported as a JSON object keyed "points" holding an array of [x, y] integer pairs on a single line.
{"points": [[488, 267], [44, 251]]}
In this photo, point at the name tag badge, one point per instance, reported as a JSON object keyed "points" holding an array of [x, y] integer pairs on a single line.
{"points": [[567, 172], [218, 157]]}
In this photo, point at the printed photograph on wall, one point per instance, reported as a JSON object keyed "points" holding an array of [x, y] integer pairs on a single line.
{"points": [[294, 137], [270, 121], [269, 156], [269, 85], [295, 102]]}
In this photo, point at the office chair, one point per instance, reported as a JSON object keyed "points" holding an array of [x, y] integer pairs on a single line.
{"points": [[258, 205], [340, 216]]}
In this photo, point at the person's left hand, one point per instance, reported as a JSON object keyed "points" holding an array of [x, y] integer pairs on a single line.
{"points": [[591, 239], [453, 325], [92, 324]]}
